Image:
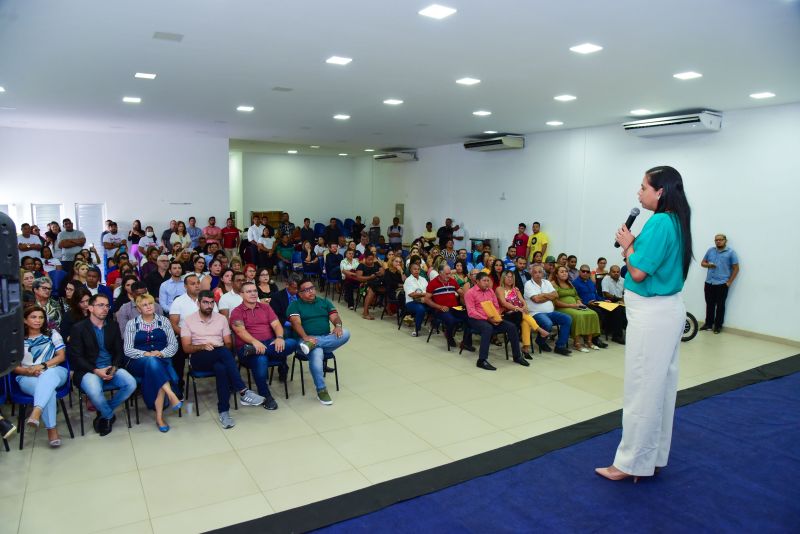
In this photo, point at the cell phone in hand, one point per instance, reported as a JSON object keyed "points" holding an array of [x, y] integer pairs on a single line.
{"points": [[109, 370]]}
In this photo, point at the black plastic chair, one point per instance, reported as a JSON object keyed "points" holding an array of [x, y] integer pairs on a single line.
{"points": [[2, 402], [300, 358], [193, 375], [81, 395]]}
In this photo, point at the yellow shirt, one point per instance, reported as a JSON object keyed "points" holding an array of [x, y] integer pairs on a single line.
{"points": [[535, 244]]}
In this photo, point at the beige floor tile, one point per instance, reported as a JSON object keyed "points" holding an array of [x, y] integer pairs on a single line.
{"points": [[140, 527], [371, 443], [292, 461], [462, 388], [405, 465], [214, 515], [193, 438], [443, 426], [259, 426], [566, 367], [507, 410], [84, 506], [404, 400], [598, 383], [10, 510], [514, 381], [79, 459], [537, 428], [14, 467], [590, 412], [378, 377], [316, 490], [559, 397], [194, 483], [347, 410], [471, 447], [423, 371]]}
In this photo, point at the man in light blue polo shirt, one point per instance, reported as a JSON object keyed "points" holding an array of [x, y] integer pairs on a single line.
{"points": [[723, 267]]}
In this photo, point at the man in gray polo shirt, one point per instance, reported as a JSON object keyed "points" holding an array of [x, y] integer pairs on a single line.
{"points": [[70, 242]]}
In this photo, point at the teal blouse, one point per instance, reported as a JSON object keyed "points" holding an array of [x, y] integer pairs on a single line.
{"points": [[658, 251]]}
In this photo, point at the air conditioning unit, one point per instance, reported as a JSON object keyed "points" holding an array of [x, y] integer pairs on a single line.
{"points": [[701, 122], [504, 142], [396, 157]]}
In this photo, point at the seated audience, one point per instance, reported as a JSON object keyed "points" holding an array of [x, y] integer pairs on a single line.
{"points": [[49, 263], [514, 309], [150, 344], [158, 276], [172, 288], [614, 321], [521, 274], [284, 253], [414, 288], [441, 296], [129, 310], [42, 291], [332, 232], [95, 287], [363, 244], [460, 274], [39, 373], [572, 267], [215, 269], [370, 275], [78, 311], [254, 233], [182, 307], [393, 278], [311, 317], [206, 339], [486, 325], [96, 353], [548, 267], [496, 273], [509, 262], [540, 295], [225, 284], [358, 228], [232, 298], [585, 322], [149, 262], [613, 285], [600, 272], [282, 299], [259, 340], [26, 279], [333, 262], [374, 231], [310, 261], [350, 281], [536, 260], [449, 253], [266, 287]]}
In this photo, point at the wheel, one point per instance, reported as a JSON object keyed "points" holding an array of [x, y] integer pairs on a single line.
{"points": [[689, 328]]}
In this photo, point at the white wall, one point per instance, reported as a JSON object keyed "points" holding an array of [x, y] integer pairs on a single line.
{"points": [[318, 187], [150, 177], [235, 187], [581, 184]]}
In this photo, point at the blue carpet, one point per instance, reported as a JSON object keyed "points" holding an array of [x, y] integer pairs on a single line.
{"points": [[734, 467]]}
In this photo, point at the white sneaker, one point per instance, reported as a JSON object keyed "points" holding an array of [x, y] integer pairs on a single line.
{"points": [[583, 349], [414, 334]]}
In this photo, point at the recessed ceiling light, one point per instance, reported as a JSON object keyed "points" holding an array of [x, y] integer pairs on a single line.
{"points": [[468, 81], [145, 76], [4, 108], [435, 11], [640, 112], [2, 89], [482, 113], [338, 60], [690, 75], [131, 99], [757, 96], [341, 117], [393, 101], [246, 109], [554, 123], [342, 154], [291, 151], [564, 98], [314, 146], [586, 48], [369, 150], [490, 132]]}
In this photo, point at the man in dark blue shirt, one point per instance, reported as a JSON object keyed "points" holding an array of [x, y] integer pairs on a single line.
{"points": [[613, 321]]}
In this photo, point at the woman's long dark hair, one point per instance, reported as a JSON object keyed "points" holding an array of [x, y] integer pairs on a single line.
{"points": [[29, 310], [673, 200]]}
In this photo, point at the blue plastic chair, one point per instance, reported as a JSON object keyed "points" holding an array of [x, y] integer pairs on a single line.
{"points": [[300, 358], [23, 400], [319, 230], [58, 279], [297, 261], [2, 402], [331, 283]]}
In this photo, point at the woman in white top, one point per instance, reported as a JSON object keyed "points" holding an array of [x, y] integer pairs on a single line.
{"points": [[266, 248], [148, 240], [415, 287], [40, 374], [348, 268], [49, 262]]}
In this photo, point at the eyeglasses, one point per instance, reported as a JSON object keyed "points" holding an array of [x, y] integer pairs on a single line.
{"points": [[584, 271], [307, 290]]}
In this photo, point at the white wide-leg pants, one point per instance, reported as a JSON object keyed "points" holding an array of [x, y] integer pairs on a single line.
{"points": [[655, 326]]}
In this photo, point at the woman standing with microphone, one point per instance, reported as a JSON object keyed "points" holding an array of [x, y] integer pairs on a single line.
{"points": [[658, 261]]}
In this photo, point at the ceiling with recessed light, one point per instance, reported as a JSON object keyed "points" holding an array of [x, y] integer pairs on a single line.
{"points": [[68, 65]]}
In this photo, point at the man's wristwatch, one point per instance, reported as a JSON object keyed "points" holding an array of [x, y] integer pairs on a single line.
{"points": [[278, 337]]}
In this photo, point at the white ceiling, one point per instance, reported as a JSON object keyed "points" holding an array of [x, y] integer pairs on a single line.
{"points": [[68, 65]]}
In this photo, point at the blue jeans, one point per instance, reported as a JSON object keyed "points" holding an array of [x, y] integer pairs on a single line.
{"points": [[418, 310], [451, 319], [93, 386], [259, 363], [547, 320], [316, 358], [220, 361], [284, 266], [43, 390]]}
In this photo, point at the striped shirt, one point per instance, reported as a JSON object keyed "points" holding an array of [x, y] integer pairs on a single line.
{"points": [[159, 323]]}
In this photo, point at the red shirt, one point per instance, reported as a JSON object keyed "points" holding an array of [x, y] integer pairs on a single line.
{"points": [[212, 234], [443, 294], [257, 322], [520, 243], [229, 237]]}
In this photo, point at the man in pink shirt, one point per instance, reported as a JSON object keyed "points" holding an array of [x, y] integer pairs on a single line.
{"points": [[485, 325], [259, 340], [206, 339], [212, 232]]}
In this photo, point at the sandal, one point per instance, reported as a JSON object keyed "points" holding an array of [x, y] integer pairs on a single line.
{"points": [[55, 443], [33, 423], [368, 317]]}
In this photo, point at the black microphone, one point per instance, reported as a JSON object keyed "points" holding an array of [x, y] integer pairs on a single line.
{"points": [[629, 222]]}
